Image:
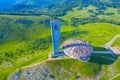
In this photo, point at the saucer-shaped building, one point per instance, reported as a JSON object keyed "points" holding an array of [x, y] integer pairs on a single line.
{"points": [[77, 48]]}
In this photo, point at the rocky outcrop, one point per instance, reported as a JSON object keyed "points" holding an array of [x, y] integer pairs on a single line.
{"points": [[56, 70]]}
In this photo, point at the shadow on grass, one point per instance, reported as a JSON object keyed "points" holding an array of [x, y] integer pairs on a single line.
{"points": [[100, 60], [71, 34], [105, 59], [96, 48]]}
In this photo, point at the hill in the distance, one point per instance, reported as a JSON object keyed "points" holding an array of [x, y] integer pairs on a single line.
{"points": [[58, 7]]}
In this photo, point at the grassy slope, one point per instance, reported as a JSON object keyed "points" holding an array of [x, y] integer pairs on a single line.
{"points": [[84, 13], [15, 45], [79, 35], [96, 33], [117, 42], [71, 71], [114, 17], [109, 71], [117, 77], [110, 15], [99, 33]]}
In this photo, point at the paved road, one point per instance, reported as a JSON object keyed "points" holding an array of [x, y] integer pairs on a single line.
{"points": [[108, 45], [116, 50]]}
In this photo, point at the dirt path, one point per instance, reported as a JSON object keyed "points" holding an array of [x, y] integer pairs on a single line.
{"points": [[51, 59]]}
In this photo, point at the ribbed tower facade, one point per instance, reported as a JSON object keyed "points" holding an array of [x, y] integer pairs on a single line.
{"points": [[55, 27]]}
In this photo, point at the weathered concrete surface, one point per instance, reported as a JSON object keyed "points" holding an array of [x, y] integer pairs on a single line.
{"points": [[116, 50], [77, 48], [55, 27]]}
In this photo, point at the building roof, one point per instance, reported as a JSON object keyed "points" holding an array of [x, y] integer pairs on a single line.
{"points": [[77, 48]]}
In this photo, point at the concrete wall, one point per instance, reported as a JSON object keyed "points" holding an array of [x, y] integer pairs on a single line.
{"points": [[55, 26]]}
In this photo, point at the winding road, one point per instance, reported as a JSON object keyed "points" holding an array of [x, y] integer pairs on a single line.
{"points": [[109, 48], [108, 45]]}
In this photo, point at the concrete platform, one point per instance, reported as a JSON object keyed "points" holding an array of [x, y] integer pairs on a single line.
{"points": [[57, 55]]}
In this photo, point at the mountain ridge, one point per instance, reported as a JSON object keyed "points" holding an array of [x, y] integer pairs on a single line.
{"points": [[56, 7]]}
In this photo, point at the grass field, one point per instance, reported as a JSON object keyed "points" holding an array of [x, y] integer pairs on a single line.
{"points": [[117, 77], [72, 67], [117, 42], [76, 12], [109, 71], [110, 15], [59, 69], [27, 44]]}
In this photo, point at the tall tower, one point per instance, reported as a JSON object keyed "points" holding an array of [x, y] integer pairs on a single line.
{"points": [[55, 26]]}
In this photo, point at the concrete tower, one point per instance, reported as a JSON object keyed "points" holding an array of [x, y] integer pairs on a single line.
{"points": [[55, 26]]}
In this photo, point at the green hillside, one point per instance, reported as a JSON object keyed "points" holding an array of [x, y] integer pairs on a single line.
{"points": [[109, 71], [59, 69], [57, 8], [117, 42], [27, 44], [91, 14], [26, 40]]}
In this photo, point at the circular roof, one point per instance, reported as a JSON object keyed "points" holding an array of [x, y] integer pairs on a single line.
{"points": [[77, 48]]}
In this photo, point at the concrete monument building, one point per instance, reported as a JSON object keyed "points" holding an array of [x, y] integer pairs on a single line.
{"points": [[77, 48], [55, 27]]}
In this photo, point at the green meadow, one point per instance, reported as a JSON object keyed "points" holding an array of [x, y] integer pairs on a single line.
{"points": [[26, 40], [117, 42]]}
